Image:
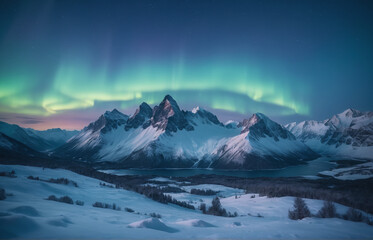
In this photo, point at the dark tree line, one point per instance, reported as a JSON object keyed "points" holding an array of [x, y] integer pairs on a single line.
{"points": [[203, 192], [328, 210], [106, 205], [357, 194], [64, 181], [2, 194], [11, 174], [64, 199], [156, 194]]}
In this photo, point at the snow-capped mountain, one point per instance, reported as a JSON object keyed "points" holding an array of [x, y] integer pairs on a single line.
{"points": [[37, 140], [86, 143], [166, 136], [348, 134], [149, 138], [262, 143]]}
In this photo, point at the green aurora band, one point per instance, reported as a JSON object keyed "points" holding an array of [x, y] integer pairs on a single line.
{"points": [[224, 85]]}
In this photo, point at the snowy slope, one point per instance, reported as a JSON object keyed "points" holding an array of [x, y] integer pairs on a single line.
{"points": [[308, 129], [348, 134], [262, 144], [84, 145], [197, 144], [26, 214]]}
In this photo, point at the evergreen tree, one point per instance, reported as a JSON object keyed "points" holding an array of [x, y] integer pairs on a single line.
{"points": [[327, 211], [300, 210]]}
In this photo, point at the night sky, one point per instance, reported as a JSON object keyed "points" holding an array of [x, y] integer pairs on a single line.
{"points": [[63, 63]]}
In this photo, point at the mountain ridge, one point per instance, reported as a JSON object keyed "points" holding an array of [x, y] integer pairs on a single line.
{"points": [[349, 133], [167, 137]]}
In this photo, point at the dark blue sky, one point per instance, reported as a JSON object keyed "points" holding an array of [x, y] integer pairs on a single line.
{"points": [[62, 63]]}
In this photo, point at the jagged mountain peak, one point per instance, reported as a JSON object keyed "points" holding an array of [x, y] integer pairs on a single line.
{"points": [[169, 117], [108, 121], [140, 117], [350, 112], [290, 125], [207, 116], [254, 119], [167, 108], [347, 134], [197, 109], [144, 106], [344, 119], [259, 115], [166, 136], [169, 98], [169, 101], [115, 114], [144, 110], [259, 125]]}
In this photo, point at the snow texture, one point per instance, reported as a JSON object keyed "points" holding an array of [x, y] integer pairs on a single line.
{"points": [[27, 214]]}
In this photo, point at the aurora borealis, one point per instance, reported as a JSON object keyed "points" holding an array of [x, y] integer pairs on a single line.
{"points": [[63, 63]]}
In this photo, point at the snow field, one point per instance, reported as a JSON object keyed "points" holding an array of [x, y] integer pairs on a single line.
{"points": [[27, 214]]}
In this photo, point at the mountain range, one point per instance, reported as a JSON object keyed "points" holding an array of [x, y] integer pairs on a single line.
{"points": [[167, 137], [348, 134]]}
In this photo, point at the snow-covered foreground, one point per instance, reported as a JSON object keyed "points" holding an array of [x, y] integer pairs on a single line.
{"points": [[27, 214]]}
